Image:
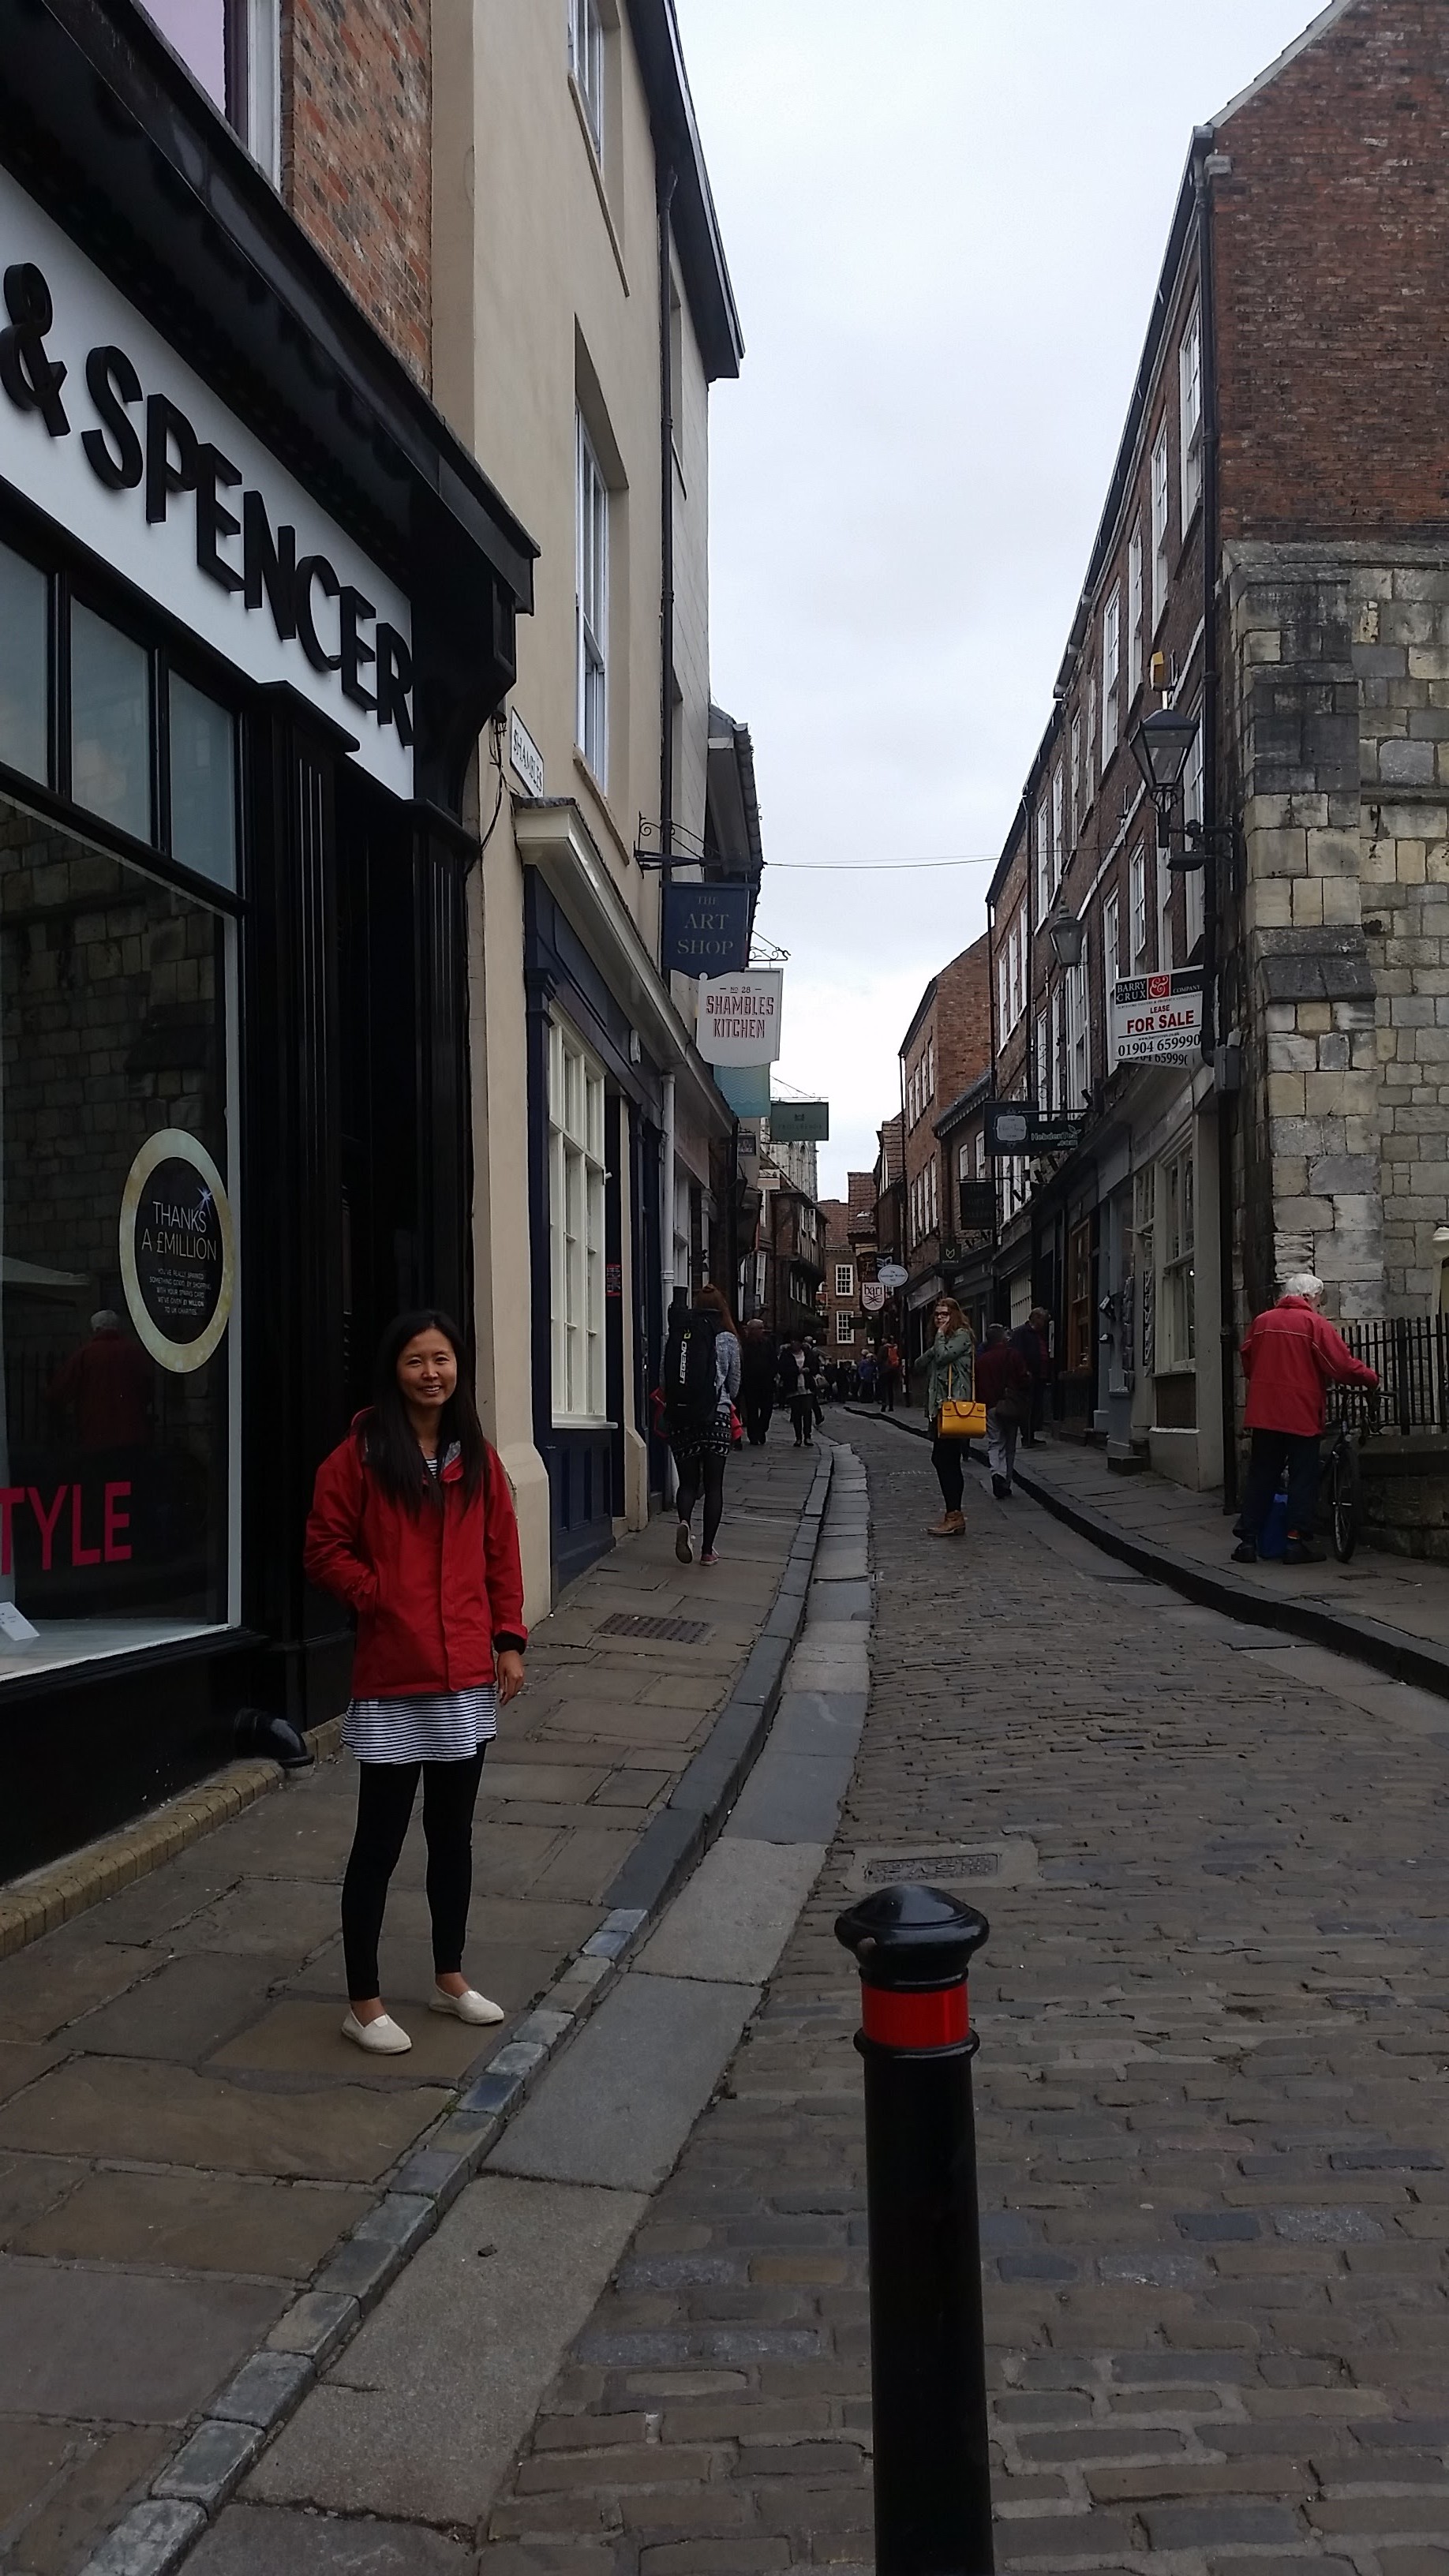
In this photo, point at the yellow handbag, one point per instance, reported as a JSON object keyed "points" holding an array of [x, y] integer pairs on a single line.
{"points": [[957, 1421]]}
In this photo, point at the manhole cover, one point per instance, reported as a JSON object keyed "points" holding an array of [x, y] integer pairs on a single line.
{"points": [[637, 1623], [1011, 1862]]}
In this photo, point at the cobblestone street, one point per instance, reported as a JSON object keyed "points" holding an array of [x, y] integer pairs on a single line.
{"points": [[1214, 2014]]}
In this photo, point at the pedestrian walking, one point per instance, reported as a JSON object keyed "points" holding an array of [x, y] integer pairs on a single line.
{"points": [[759, 1367], [1290, 1355], [412, 1525], [1003, 1385], [1033, 1340], [817, 1380], [797, 1390], [949, 1377], [865, 1377], [701, 1381], [888, 1375]]}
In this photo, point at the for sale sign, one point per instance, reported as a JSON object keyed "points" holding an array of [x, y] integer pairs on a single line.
{"points": [[1157, 1019]]}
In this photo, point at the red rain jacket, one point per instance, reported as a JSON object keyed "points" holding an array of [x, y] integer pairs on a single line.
{"points": [[1289, 1356], [434, 1591]]}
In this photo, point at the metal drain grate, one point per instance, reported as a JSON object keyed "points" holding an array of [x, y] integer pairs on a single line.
{"points": [[637, 1623], [982, 1864]]}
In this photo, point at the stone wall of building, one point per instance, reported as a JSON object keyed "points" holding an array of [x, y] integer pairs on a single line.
{"points": [[1340, 721]]}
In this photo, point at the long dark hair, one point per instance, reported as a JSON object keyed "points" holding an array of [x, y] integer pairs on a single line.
{"points": [[387, 1438]]}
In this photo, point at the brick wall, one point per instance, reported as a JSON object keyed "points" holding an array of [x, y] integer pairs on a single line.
{"points": [[357, 154], [1332, 239]]}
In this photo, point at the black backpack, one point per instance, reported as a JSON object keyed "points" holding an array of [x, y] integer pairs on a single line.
{"points": [[691, 1387]]}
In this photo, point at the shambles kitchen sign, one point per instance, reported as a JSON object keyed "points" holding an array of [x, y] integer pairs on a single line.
{"points": [[178, 1252], [1157, 1019], [739, 1017], [105, 429]]}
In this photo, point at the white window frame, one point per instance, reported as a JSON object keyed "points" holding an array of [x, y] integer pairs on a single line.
{"points": [[1043, 1061], [1003, 994], [1076, 776], [1058, 825], [1111, 948], [1089, 758], [1023, 953], [1190, 419], [981, 1156], [1134, 612], [1137, 910], [591, 605], [1161, 484], [1165, 959], [577, 1201], [844, 1327], [1111, 671], [1058, 1062], [845, 1279], [586, 65], [1194, 909], [1176, 1252], [1043, 859], [1079, 1034]]}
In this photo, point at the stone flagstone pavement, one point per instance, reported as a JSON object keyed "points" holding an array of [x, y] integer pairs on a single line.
{"points": [[184, 2135]]}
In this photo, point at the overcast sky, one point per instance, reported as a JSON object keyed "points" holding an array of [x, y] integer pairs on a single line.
{"points": [[944, 222]]}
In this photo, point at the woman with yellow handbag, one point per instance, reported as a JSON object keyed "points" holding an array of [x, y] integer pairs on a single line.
{"points": [[952, 1411]]}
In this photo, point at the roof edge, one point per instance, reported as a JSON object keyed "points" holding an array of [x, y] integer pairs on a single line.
{"points": [[1316, 28]]}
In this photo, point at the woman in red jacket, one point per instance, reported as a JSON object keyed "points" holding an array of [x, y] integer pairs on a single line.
{"points": [[412, 1525]]}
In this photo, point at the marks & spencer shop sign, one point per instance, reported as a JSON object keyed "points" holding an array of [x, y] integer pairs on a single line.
{"points": [[108, 432]]}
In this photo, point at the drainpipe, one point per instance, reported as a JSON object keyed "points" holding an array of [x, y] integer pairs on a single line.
{"points": [[665, 186], [1214, 864], [666, 1249]]}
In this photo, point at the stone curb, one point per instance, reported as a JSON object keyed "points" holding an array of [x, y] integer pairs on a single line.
{"points": [[64, 1888], [1371, 1641], [155, 2536]]}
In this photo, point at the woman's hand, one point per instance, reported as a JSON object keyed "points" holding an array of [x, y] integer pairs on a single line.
{"points": [[510, 1675]]}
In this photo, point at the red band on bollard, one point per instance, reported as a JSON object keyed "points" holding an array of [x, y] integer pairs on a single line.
{"points": [[937, 2020]]}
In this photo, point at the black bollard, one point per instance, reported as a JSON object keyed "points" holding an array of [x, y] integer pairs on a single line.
{"points": [[913, 1947]]}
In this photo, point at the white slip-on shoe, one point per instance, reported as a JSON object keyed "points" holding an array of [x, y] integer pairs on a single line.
{"points": [[383, 2036], [470, 2007]]}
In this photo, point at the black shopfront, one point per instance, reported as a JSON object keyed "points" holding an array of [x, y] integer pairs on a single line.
{"points": [[255, 606]]}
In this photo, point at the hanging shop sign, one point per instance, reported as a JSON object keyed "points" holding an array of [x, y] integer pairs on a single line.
{"points": [[1009, 1125], [799, 1122], [1156, 1019], [706, 929], [739, 1017], [745, 1089], [105, 429], [891, 1275], [178, 1251], [872, 1296], [977, 1206]]}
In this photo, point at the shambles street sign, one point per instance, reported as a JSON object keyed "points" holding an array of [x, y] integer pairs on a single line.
{"points": [[1157, 1019], [739, 1017], [706, 929]]}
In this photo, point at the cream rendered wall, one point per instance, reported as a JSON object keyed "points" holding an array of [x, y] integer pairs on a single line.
{"points": [[546, 294]]}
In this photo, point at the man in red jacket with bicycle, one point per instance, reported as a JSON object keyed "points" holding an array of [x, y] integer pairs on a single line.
{"points": [[1290, 1356]]}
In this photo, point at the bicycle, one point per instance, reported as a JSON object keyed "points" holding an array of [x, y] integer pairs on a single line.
{"points": [[1342, 1476]]}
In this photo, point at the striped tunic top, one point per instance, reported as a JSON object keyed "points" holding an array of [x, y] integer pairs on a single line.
{"points": [[427, 1726]]}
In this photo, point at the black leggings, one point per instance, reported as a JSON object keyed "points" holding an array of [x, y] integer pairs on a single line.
{"points": [[703, 1471], [385, 1794], [948, 1457]]}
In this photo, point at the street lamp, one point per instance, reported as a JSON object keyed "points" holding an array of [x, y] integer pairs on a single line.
{"points": [[1161, 747], [1067, 935]]}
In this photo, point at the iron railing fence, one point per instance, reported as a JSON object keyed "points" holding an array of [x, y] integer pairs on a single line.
{"points": [[1411, 1355]]}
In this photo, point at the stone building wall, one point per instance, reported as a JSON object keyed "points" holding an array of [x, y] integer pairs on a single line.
{"points": [[1339, 713]]}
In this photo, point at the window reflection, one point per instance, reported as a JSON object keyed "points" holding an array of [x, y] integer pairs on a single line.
{"points": [[24, 661], [110, 696], [203, 784]]}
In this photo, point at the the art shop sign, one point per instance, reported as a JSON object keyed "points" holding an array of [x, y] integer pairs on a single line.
{"points": [[105, 429]]}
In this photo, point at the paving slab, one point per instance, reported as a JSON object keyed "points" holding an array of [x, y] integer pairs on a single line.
{"points": [[30, 2185], [420, 2415], [732, 1918], [186, 2009], [96, 2473], [121, 2345], [196, 2221], [617, 2105], [263, 2540], [299, 2037], [793, 1797], [46, 1988], [107, 2107]]}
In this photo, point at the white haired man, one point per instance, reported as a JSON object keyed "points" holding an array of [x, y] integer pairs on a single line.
{"points": [[1291, 1354]]}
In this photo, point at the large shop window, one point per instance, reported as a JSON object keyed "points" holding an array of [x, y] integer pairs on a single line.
{"points": [[576, 1178], [116, 1515]]}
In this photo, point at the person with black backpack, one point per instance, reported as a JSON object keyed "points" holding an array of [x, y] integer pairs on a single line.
{"points": [[701, 1381]]}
